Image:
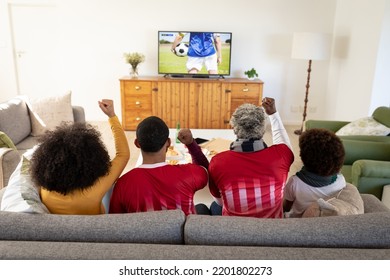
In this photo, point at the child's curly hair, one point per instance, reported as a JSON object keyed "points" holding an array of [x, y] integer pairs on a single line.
{"points": [[71, 157], [321, 151]]}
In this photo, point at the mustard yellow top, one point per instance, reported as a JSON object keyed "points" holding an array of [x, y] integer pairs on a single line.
{"points": [[89, 201]]}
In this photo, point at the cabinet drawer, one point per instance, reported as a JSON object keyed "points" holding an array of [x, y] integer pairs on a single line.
{"points": [[136, 115], [132, 119], [239, 101], [245, 91], [141, 101], [137, 87]]}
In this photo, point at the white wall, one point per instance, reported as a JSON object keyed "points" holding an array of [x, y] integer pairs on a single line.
{"points": [[7, 70], [381, 91], [95, 33], [357, 38]]}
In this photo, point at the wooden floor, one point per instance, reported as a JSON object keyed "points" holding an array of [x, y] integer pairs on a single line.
{"points": [[202, 195]]}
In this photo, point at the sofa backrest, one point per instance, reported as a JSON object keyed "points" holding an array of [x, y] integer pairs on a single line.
{"points": [[369, 230], [159, 227], [382, 115], [15, 119], [356, 149], [355, 231]]}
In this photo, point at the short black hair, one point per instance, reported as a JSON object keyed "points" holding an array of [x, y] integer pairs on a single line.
{"points": [[70, 157], [322, 152], [152, 133]]}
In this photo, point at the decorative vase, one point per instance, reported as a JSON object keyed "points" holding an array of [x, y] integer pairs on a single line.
{"points": [[134, 72]]}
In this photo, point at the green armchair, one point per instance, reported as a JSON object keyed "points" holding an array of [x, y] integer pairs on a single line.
{"points": [[367, 157]]}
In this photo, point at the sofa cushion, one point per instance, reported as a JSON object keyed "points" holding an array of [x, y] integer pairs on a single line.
{"points": [[347, 202], [354, 231], [158, 227], [356, 150], [21, 195], [382, 115], [49, 112], [373, 204], [9, 159], [364, 126], [15, 109], [27, 144]]}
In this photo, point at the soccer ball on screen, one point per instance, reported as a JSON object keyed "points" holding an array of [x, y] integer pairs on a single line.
{"points": [[181, 49]]}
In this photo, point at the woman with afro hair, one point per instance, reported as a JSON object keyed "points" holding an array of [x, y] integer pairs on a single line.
{"points": [[73, 168], [322, 154]]}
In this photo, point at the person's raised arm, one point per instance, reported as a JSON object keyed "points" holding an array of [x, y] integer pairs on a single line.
{"points": [[107, 106], [198, 157], [121, 145], [279, 133], [177, 40]]}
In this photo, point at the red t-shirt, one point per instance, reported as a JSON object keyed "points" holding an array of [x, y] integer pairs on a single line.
{"points": [[251, 183], [158, 186]]}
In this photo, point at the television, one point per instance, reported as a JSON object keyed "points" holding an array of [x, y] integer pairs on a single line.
{"points": [[194, 54]]}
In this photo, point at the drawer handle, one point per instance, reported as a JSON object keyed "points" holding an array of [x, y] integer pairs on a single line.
{"points": [[245, 89], [137, 102], [137, 118], [137, 87]]}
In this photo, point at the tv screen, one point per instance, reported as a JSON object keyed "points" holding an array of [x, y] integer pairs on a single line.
{"points": [[196, 54]]}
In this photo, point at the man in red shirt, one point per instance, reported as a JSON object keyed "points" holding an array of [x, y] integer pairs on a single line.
{"points": [[249, 179], [156, 185]]}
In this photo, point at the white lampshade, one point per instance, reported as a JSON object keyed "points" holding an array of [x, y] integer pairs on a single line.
{"points": [[311, 46]]}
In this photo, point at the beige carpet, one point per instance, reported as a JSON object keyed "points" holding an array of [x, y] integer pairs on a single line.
{"points": [[202, 195]]}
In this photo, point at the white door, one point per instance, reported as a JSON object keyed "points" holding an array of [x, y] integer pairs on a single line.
{"points": [[34, 30]]}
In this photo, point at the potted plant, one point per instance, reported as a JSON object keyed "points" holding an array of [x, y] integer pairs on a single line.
{"points": [[134, 59], [251, 74]]}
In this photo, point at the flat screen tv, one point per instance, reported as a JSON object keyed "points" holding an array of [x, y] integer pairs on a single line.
{"points": [[194, 54]]}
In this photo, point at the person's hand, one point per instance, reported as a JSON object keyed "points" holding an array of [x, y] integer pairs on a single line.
{"points": [[219, 60], [185, 136], [269, 105], [107, 106]]}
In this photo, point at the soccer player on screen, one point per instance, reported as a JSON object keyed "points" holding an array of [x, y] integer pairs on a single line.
{"points": [[205, 48]]}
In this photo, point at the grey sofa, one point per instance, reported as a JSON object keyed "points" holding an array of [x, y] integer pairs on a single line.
{"points": [[15, 122], [172, 235]]}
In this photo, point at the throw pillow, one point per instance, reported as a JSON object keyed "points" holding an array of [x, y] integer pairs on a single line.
{"points": [[49, 112], [347, 202], [21, 195], [364, 126], [6, 142]]}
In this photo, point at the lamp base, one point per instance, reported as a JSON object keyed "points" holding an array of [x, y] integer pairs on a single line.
{"points": [[298, 131]]}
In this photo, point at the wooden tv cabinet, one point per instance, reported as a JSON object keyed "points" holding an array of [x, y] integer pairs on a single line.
{"points": [[194, 102]]}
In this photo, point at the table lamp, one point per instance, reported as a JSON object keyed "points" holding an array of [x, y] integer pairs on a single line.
{"points": [[309, 46]]}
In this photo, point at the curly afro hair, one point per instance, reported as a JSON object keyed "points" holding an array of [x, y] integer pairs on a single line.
{"points": [[71, 157], [248, 121], [321, 151]]}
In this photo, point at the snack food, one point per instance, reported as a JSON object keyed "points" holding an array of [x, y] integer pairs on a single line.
{"points": [[174, 154], [171, 152], [172, 162]]}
